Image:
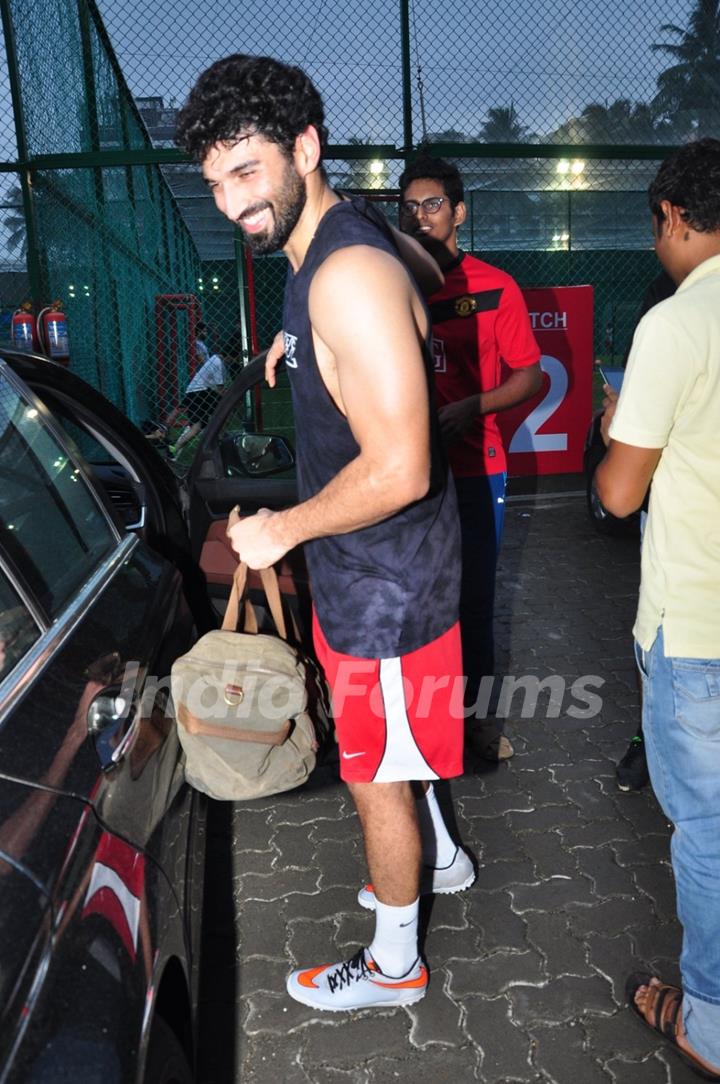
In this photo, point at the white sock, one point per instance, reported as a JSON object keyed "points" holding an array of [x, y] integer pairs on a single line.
{"points": [[394, 946], [438, 847]]}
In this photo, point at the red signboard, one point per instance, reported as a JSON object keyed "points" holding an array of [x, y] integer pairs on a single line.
{"points": [[546, 434]]}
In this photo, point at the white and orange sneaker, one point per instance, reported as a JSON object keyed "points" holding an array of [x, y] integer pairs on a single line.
{"points": [[441, 881], [357, 984]]}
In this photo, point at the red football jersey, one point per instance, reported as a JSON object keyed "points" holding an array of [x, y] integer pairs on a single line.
{"points": [[479, 320]]}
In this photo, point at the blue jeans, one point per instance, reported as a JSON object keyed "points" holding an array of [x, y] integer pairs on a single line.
{"points": [[681, 724], [481, 505]]}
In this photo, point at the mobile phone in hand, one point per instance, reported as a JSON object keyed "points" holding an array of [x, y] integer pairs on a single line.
{"points": [[612, 377]]}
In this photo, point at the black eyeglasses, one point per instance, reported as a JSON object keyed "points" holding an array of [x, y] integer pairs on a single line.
{"points": [[430, 206]]}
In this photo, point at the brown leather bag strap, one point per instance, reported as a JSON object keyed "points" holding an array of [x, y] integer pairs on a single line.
{"points": [[250, 625], [237, 593], [194, 725], [271, 587]]}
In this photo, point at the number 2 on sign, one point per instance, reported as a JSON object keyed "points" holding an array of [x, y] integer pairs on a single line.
{"points": [[526, 437]]}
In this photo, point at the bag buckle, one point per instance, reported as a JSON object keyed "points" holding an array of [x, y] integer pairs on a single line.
{"points": [[233, 695]]}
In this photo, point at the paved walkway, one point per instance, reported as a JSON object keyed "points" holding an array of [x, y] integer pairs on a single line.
{"points": [[574, 888]]}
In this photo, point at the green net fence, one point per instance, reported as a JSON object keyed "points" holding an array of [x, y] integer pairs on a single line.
{"points": [[556, 114]]}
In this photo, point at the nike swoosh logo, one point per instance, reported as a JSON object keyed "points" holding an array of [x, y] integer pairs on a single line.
{"points": [[409, 984], [350, 756]]}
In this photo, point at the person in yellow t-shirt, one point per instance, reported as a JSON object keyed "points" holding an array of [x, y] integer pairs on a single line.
{"points": [[664, 429]]}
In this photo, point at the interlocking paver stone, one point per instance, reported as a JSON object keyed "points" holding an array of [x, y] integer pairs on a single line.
{"points": [[504, 873], [492, 913], [563, 954], [596, 833], [561, 1000], [266, 1063], [614, 958], [350, 1038], [550, 854], [610, 915], [658, 883], [505, 1047], [560, 1052], [495, 973], [553, 894], [608, 878], [649, 1071], [437, 1020], [647, 852], [544, 817], [443, 1066], [573, 891], [606, 1035]]}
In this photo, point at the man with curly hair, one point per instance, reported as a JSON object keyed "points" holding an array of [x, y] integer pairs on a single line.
{"points": [[377, 511], [664, 429]]}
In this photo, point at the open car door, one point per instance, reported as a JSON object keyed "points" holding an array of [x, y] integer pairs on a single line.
{"points": [[245, 457]]}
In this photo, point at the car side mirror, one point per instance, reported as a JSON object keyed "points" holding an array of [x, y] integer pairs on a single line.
{"points": [[255, 455]]}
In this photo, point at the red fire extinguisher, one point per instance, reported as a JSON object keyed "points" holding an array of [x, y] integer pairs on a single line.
{"points": [[23, 331], [53, 334]]}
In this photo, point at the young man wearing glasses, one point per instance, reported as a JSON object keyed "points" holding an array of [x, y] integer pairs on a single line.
{"points": [[479, 320]]}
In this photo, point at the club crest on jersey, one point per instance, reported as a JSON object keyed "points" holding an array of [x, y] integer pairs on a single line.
{"points": [[290, 342], [465, 306], [438, 353]]}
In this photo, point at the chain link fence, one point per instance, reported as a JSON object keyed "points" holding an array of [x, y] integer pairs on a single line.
{"points": [[556, 116]]}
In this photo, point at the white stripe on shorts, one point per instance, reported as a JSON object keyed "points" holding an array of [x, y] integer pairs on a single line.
{"points": [[402, 759]]}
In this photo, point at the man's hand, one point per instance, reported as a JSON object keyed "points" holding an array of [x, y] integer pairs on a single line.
{"points": [[273, 358], [254, 538], [456, 419], [609, 404]]}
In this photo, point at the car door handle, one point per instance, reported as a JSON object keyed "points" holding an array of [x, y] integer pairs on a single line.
{"points": [[110, 720]]}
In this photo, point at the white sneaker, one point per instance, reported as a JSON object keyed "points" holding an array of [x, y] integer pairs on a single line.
{"points": [[356, 984], [456, 877]]}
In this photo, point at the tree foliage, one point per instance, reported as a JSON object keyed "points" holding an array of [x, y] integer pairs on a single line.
{"points": [[502, 125], [621, 121], [689, 91]]}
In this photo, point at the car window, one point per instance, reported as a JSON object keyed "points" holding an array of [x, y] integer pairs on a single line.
{"points": [[262, 413], [18, 630], [53, 530]]}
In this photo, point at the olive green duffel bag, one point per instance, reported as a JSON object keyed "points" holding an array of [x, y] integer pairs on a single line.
{"points": [[241, 704]]}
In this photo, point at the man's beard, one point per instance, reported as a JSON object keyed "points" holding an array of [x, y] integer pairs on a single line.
{"points": [[286, 209]]}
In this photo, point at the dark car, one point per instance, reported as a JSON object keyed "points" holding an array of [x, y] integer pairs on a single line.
{"points": [[109, 567], [602, 520]]}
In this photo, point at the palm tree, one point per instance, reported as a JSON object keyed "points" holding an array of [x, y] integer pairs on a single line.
{"points": [[621, 121], [502, 126], [689, 91]]}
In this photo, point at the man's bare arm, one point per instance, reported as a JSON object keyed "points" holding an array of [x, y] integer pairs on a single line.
{"points": [[364, 312], [623, 476], [424, 267]]}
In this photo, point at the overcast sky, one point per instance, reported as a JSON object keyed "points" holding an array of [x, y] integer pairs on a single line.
{"points": [[550, 58]]}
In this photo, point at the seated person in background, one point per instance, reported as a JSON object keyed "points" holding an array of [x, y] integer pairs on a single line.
{"points": [[202, 395], [202, 354]]}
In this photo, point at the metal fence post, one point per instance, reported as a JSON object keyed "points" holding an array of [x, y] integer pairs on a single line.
{"points": [[406, 76]]}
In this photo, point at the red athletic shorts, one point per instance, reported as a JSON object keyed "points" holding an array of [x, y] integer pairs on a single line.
{"points": [[400, 718]]}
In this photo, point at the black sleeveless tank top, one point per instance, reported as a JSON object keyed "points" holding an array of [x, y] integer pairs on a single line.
{"points": [[391, 588]]}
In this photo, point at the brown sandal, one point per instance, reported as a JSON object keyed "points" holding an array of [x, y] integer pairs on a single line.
{"points": [[662, 1012]]}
